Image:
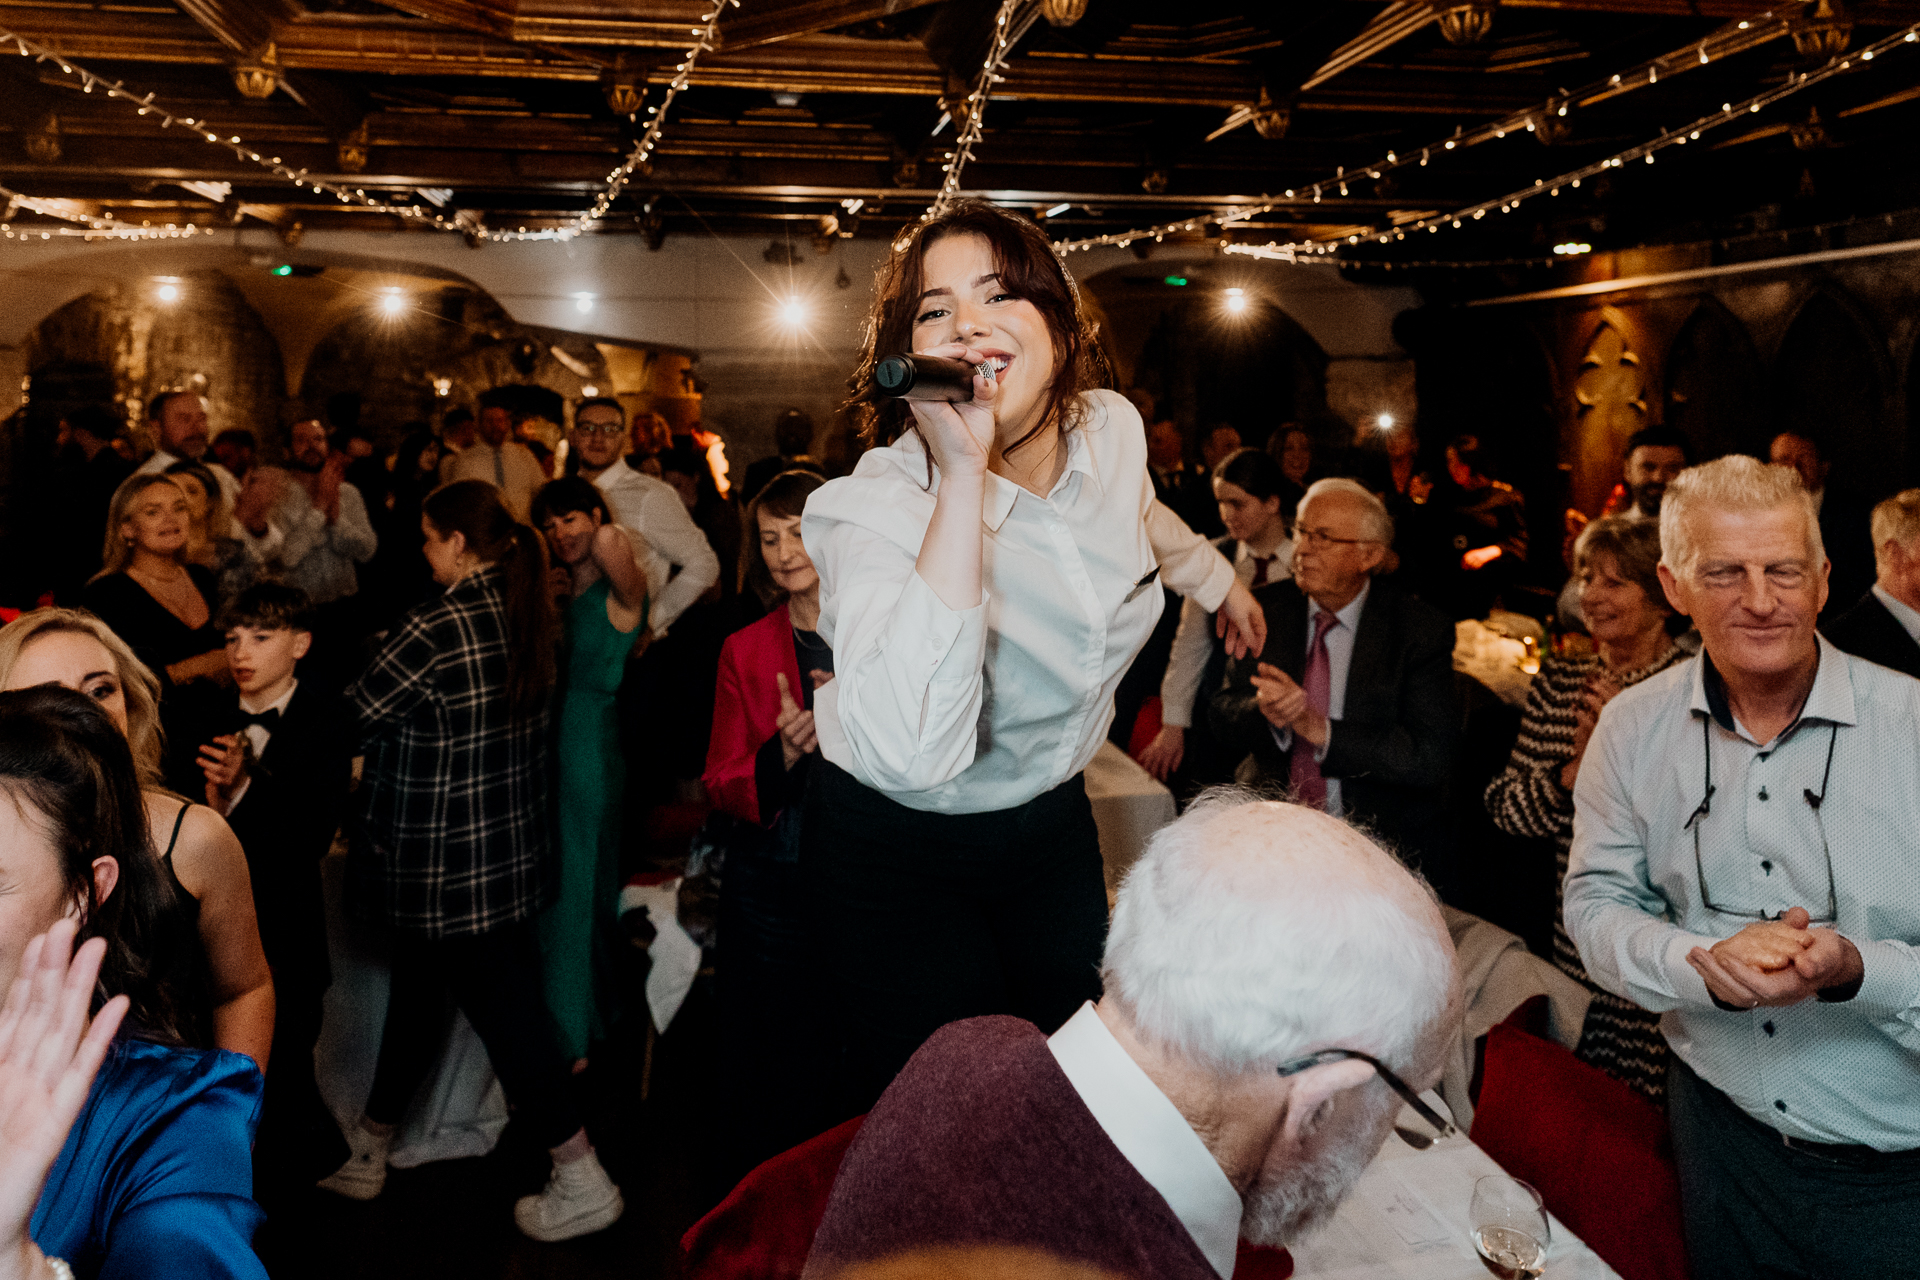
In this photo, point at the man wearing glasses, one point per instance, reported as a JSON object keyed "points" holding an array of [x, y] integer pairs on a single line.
{"points": [[679, 561], [1351, 706], [1746, 860], [1276, 987]]}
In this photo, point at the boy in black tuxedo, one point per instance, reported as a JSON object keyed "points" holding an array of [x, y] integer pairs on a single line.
{"points": [[278, 763]]}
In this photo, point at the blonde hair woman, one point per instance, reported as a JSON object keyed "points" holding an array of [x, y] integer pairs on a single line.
{"points": [[213, 956], [149, 593]]}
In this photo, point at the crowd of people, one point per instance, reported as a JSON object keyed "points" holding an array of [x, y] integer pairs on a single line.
{"points": [[889, 699]]}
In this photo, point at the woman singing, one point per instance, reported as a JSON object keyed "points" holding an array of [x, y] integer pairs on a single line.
{"points": [[986, 578]]}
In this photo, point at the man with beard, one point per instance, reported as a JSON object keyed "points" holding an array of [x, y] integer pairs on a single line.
{"points": [[1655, 455], [1217, 1092]]}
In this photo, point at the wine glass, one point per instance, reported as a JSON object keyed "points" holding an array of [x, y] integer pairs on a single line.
{"points": [[1509, 1227]]}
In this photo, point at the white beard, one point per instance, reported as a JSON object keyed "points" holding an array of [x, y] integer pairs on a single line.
{"points": [[1283, 1210]]}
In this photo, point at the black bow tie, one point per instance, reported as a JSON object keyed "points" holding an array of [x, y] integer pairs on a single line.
{"points": [[268, 719]]}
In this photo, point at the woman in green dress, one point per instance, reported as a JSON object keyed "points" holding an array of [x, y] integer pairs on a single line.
{"points": [[603, 598]]}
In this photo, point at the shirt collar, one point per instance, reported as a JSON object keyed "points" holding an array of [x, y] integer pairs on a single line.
{"points": [[278, 704], [1903, 613], [1152, 1134], [614, 474], [1002, 493], [1349, 614], [1830, 701]]}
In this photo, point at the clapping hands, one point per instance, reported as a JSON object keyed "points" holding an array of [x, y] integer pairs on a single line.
{"points": [[1285, 706], [1777, 963]]}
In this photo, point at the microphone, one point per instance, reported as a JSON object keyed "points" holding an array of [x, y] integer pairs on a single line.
{"points": [[912, 377]]}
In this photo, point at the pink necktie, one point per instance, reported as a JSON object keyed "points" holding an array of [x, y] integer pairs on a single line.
{"points": [[1309, 786]]}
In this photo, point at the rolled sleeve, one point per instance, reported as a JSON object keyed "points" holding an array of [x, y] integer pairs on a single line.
{"points": [[671, 532], [904, 708], [1613, 913]]}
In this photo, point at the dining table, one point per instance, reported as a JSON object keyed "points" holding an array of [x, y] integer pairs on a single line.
{"points": [[1407, 1219]]}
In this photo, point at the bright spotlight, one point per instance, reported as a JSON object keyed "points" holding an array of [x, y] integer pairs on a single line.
{"points": [[168, 292], [589, 391], [1384, 422], [793, 312], [1236, 300], [583, 302], [393, 302], [1058, 209]]}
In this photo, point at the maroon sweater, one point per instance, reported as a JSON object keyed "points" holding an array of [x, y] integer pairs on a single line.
{"points": [[982, 1140]]}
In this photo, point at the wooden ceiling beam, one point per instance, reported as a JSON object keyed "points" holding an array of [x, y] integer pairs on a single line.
{"points": [[765, 24], [244, 26]]}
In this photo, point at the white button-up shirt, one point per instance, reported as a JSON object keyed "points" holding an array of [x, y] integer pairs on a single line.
{"points": [[1193, 641], [1152, 1134], [1838, 1073], [982, 709], [652, 509]]}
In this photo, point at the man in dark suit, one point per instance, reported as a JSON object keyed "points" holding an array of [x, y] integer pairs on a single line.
{"points": [[277, 759], [1351, 706], [1883, 626], [1843, 519]]}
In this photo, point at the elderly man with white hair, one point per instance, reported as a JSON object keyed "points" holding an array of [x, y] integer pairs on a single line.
{"points": [[1275, 985], [1744, 861], [1883, 626], [1351, 706]]}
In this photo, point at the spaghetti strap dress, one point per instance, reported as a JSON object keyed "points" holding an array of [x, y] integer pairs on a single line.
{"points": [[578, 933], [181, 958]]}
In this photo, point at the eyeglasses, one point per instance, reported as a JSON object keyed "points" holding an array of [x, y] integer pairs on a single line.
{"points": [[1695, 821], [599, 428], [1442, 1128], [1304, 537]]}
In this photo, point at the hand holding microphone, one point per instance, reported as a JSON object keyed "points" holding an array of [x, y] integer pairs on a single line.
{"points": [[958, 429]]}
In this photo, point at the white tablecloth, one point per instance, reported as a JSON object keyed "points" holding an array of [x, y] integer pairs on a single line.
{"points": [[1128, 806], [1407, 1220], [459, 1111]]}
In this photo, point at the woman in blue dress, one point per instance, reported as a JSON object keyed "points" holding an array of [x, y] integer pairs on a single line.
{"points": [[604, 604], [122, 1154]]}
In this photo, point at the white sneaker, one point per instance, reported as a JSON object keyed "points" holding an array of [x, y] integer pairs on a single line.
{"points": [[580, 1199], [365, 1173]]}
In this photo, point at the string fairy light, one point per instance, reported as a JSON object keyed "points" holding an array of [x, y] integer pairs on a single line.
{"points": [[1433, 223], [639, 158], [463, 222], [1005, 32], [1730, 38]]}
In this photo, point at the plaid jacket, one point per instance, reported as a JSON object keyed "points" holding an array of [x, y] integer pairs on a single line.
{"points": [[452, 825]]}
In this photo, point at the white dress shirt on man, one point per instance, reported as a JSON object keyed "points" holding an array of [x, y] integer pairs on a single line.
{"points": [[159, 460], [1903, 613], [652, 509], [982, 709], [1152, 1134], [1194, 639], [1340, 637]]}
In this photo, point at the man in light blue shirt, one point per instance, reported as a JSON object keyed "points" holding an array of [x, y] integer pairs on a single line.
{"points": [[1744, 860]]}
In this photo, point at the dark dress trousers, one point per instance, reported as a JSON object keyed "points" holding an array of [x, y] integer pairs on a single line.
{"points": [[1868, 630], [1393, 744]]}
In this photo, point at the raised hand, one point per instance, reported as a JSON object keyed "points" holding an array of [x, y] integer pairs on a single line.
{"points": [[1241, 622], [48, 1057], [1284, 704], [797, 736], [224, 762], [960, 436]]}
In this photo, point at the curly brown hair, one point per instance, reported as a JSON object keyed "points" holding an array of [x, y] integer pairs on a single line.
{"points": [[1028, 268]]}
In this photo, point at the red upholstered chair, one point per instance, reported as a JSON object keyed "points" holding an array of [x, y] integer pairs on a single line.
{"points": [[1598, 1152], [765, 1226]]}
